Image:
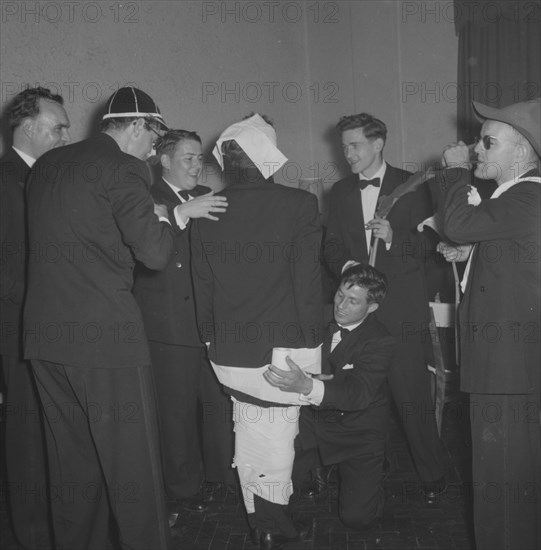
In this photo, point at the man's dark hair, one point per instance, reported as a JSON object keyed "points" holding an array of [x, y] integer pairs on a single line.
{"points": [[26, 104], [372, 127], [167, 143], [122, 122], [234, 152], [367, 277]]}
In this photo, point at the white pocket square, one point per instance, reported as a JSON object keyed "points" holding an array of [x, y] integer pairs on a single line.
{"points": [[348, 366]]}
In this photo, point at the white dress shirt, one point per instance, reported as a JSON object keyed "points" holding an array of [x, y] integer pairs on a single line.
{"points": [[370, 195], [315, 397], [30, 161], [182, 221]]}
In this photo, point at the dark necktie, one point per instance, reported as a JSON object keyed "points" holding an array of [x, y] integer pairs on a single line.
{"points": [[363, 184], [184, 195]]}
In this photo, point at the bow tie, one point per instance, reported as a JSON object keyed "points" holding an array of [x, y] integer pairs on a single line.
{"points": [[363, 184], [343, 331], [184, 195]]}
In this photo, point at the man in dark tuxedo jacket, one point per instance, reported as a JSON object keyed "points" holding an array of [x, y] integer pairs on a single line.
{"points": [[499, 318], [349, 424], [258, 288], [350, 235], [39, 123], [90, 217], [167, 304]]}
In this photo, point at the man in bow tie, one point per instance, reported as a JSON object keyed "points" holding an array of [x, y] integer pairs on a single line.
{"points": [[167, 304], [351, 230], [349, 421]]}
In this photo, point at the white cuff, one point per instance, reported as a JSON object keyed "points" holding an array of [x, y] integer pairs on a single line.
{"points": [[315, 397], [182, 221]]}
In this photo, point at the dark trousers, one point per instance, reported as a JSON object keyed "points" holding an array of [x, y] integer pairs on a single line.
{"points": [[216, 428], [270, 517], [177, 371], [26, 457], [409, 381], [506, 468], [361, 498], [360, 493], [106, 482]]}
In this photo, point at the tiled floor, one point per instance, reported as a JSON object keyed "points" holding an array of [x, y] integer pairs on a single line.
{"points": [[409, 522]]}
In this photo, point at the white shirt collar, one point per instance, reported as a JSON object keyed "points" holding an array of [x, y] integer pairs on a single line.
{"points": [[379, 174], [351, 327], [30, 161], [506, 186], [177, 189]]}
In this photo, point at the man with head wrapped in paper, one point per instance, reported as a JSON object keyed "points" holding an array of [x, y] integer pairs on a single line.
{"points": [[258, 297]]}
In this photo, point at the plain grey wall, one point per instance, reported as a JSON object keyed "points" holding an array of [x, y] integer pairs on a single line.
{"points": [[207, 64]]}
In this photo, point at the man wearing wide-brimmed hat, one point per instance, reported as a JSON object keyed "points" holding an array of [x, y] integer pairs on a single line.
{"points": [[499, 319], [91, 217]]}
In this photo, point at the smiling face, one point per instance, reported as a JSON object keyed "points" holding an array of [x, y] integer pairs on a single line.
{"points": [[183, 168], [500, 161], [351, 305], [363, 155]]}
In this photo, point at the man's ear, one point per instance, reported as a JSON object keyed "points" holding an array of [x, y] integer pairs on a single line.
{"points": [[525, 156], [28, 127], [378, 145], [138, 127], [165, 161], [372, 307]]}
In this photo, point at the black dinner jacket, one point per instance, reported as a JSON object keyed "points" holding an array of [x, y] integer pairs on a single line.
{"points": [[500, 311], [166, 297], [355, 408], [405, 309], [256, 273], [90, 217], [13, 174]]}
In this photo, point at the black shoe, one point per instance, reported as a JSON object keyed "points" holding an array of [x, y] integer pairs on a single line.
{"points": [[172, 518], [433, 489], [255, 535], [218, 491], [192, 504], [271, 541], [319, 484]]}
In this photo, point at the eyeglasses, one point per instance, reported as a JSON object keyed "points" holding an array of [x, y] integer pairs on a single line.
{"points": [[151, 129], [489, 141]]}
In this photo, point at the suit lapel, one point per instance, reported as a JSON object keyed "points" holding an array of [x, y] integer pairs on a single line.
{"points": [[326, 367], [161, 190], [353, 213], [162, 193], [14, 163], [341, 355], [389, 182]]}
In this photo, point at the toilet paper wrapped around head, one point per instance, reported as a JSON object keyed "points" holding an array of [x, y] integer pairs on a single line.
{"points": [[257, 139]]}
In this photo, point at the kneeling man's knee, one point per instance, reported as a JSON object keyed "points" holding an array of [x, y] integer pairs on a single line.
{"points": [[359, 520]]}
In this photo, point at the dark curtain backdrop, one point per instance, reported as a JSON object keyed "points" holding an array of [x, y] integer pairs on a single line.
{"points": [[499, 56]]}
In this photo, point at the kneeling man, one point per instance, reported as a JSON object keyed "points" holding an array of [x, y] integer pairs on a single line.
{"points": [[348, 420]]}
